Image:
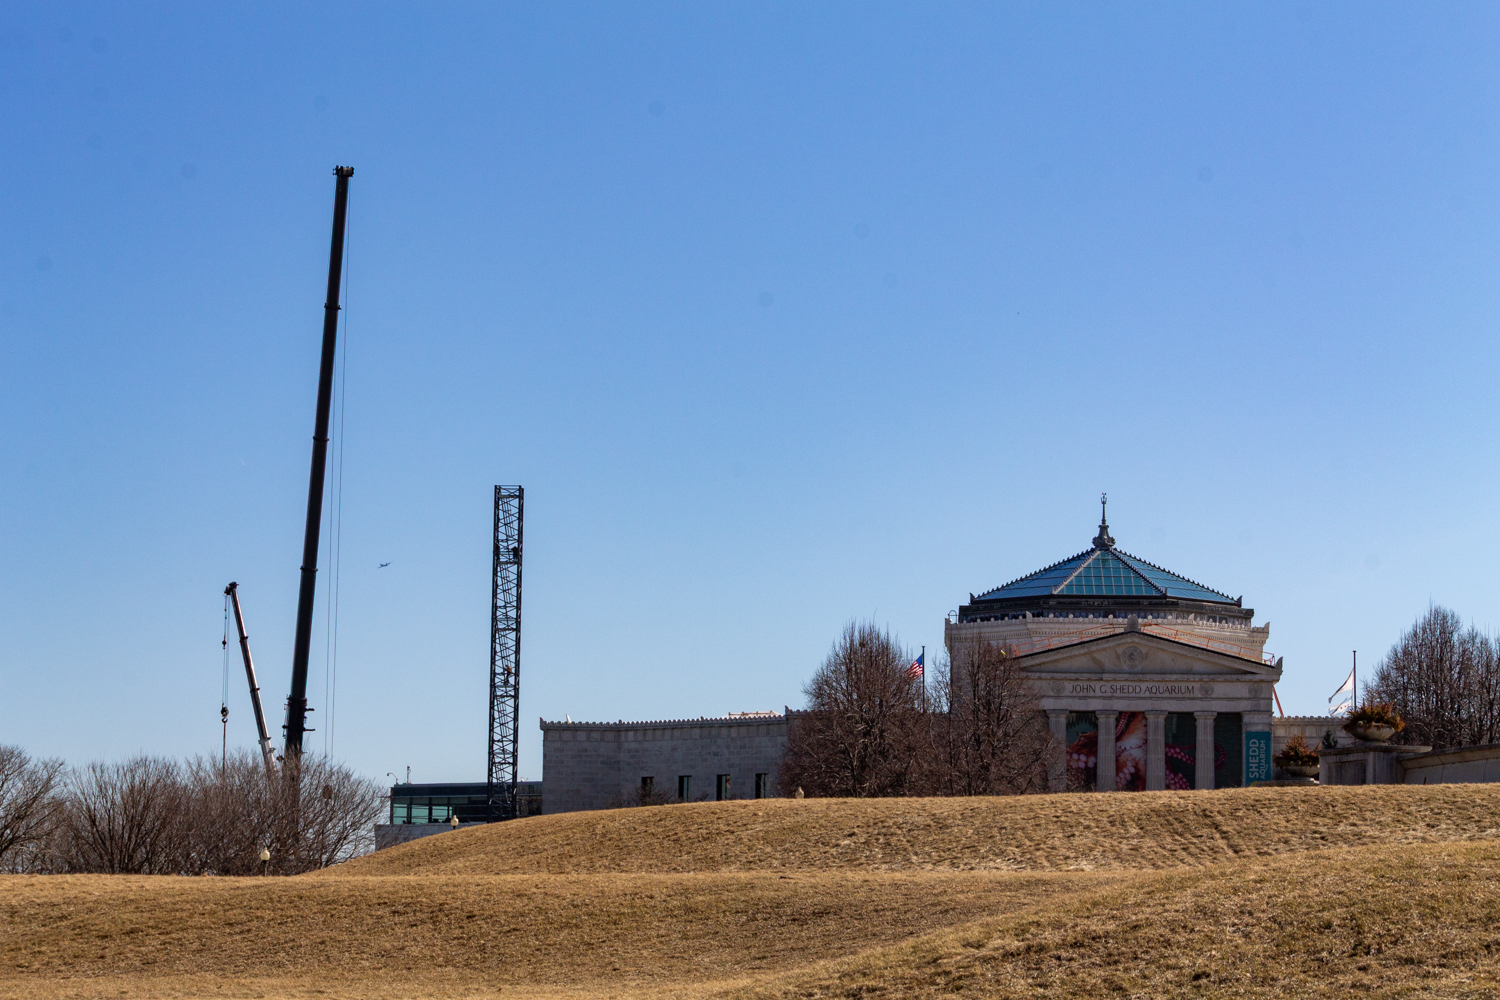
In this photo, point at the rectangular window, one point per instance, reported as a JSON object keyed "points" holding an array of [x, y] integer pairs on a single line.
{"points": [[762, 786], [400, 811], [721, 789], [648, 785], [1229, 756], [684, 788]]}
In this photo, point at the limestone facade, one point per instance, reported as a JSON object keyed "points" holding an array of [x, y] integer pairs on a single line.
{"points": [[1029, 629], [596, 765], [1209, 710]]}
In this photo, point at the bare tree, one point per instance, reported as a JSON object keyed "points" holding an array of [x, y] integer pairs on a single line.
{"points": [[211, 817], [315, 816], [230, 809], [326, 817], [1444, 679], [861, 733], [29, 808], [989, 735], [120, 818]]}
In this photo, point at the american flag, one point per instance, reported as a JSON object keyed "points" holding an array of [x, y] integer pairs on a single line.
{"points": [[915, 670]]}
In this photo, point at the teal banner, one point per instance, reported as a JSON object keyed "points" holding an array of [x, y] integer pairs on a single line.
{"points": [[1257, 757]]}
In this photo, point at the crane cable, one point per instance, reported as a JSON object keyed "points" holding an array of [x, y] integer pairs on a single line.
{"points": [[224, 693], [336, 536]]}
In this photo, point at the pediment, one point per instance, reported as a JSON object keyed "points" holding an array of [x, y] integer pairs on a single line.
{"points": [[1138, 654]]}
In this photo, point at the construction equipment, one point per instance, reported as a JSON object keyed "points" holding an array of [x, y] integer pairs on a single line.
{"points": [[296, 703], [264, 739], [505, 654]]}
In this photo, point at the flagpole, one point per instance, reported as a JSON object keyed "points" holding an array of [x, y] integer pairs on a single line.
{"points": [[924, 678], [1355, 673]]}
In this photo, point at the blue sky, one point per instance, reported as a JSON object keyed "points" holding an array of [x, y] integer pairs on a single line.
{"points": [[783, 314]]}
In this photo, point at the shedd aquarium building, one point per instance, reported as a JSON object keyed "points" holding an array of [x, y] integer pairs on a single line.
{"points": [[1150, 680]]}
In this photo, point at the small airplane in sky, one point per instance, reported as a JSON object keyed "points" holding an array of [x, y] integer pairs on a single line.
{"points": [[382, 566]]}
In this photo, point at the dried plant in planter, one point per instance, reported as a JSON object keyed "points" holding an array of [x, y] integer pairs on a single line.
{"points": [[1297, 753], [1373, 714]]}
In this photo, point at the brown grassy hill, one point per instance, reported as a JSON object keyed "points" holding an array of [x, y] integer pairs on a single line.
{"points": [[1234, 893], [156, 936], [1020, 833], [1377, 922]]}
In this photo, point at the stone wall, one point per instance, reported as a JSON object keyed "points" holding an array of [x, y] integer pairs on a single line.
{"points": [[1461, 765], [597, 765], [1309, 727]]}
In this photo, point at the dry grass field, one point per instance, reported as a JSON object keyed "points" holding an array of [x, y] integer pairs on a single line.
{"points": [[1381, 892]]}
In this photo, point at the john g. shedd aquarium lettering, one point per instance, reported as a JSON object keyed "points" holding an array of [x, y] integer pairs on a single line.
{"points": [[1178, 690]]}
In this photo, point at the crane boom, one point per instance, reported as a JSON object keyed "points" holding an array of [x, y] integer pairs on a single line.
{"points": [[266, 750], [296, 702]]}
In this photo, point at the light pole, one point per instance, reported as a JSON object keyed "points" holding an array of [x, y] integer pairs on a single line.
{"points": [[265, 859]]}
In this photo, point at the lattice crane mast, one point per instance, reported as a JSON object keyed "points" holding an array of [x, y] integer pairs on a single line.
{"points": [[505, 654]]}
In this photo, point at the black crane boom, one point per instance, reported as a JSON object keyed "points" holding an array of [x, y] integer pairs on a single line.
{"points": [[296, 703]]}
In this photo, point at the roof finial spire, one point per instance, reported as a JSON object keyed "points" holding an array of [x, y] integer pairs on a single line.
{"points": [[1102, 540]]}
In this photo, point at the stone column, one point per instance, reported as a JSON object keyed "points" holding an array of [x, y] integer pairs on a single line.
{"points": [[1106, 771], [1156, 751], [1203, 757], [1057, 774]]}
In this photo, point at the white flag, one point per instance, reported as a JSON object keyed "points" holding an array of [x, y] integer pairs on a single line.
{"points": [[1343, 697]]}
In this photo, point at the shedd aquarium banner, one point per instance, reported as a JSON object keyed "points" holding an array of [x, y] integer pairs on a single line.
{"points": [[1257, 757]]}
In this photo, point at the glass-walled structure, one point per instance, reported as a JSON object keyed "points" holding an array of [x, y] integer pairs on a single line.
{"points": [[433, 803]]}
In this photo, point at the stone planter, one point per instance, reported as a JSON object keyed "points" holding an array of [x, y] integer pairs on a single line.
{"points": [[1373, 732], [1300, 770]]}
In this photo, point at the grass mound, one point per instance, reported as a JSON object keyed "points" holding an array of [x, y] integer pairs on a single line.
{"points": [[1022, 833], [1375, 921], [380, 936], [1245, 893]]}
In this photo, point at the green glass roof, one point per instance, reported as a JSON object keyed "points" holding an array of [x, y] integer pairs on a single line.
{"points": [[1105, 572]]}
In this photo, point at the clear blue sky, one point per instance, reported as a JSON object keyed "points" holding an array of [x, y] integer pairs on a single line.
{"points": [[783, 315]]}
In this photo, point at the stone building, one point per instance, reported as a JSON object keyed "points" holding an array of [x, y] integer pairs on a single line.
{"points": [[595, 765], [1149, 679]]}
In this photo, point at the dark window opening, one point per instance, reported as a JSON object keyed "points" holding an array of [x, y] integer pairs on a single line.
{"points": [[762, 786], [1081, 751], [721, 788], [1229, 750], [648, 785], [1182, 750], [685, 788]]}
